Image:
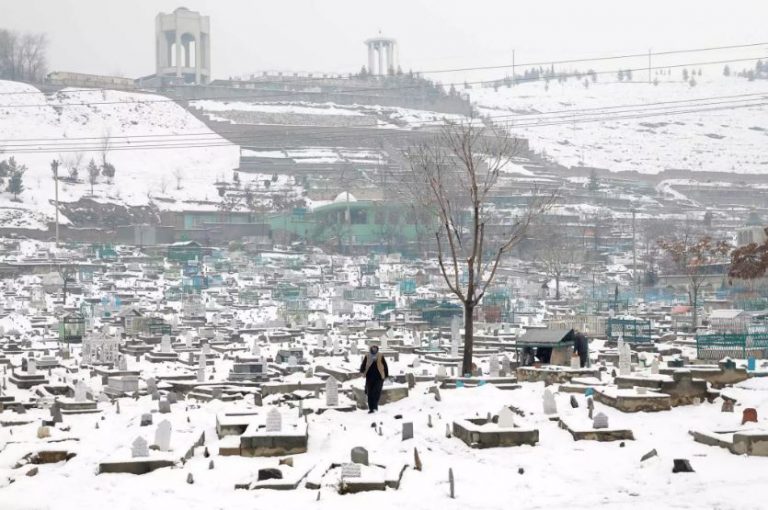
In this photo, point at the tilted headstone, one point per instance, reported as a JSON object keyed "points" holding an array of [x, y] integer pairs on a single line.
{"points": [[163, 436], [139, 448], [350, 470], [506, 418], [600, 421], [151, 385], [331, 392], [274, 421], [359, 455], [56, 413], [548, 402]]}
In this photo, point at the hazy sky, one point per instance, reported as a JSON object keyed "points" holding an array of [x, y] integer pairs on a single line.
{"points": [[117, 36]]}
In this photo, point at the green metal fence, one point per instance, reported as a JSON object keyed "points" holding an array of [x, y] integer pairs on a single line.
{"points": [[720, 345]]}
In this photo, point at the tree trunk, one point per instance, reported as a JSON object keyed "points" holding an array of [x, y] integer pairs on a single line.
{"points": [[695, 314], [469, 339]]}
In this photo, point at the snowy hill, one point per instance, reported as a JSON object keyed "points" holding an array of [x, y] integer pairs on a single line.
{"points": [[31, 119], [714, 140]]}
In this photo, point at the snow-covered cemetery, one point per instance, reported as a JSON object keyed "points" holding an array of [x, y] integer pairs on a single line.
{"points": [[510, 284]]}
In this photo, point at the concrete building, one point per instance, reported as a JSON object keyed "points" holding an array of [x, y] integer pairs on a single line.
{"points": [[183, 46], [382, 56]]}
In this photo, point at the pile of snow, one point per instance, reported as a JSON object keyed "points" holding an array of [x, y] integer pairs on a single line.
{"points": [[77, 121]]}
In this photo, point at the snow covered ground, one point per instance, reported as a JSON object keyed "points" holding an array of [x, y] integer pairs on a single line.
{"points": [[137, 125], [557, 473], [389, 117], [553, 118]]}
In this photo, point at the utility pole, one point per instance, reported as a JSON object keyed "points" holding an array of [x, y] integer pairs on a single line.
{"points": [[514, 77], [634, 251], [55, 168], [649, 66]]}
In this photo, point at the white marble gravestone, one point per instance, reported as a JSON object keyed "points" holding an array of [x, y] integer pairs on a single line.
{"points": [[575, 362], [81, 392], [293, 361], [548, 400], [163, 436], [655, 366], [201, 368], [331, 392], [351, 470], [165, 344], [625, 357], [139, 448], [506, 418], [274, 421], [31, 367], [455, 336], [493, 365], [441, 372]]}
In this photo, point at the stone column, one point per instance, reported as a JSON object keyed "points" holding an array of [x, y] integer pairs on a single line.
{"points": [[394, 63], [198, 58], [178, 53], [389, 58], [382, 70], [371, 59]]}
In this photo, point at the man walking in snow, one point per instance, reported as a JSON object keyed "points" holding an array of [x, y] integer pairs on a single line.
{"points": [[375, 369]]}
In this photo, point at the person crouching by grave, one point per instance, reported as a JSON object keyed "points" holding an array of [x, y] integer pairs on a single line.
{"points": [[375, 369]]}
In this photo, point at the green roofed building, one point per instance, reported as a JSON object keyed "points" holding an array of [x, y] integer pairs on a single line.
{"points": [[348, 225]]}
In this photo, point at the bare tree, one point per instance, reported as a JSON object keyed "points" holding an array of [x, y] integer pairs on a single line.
{"points": [[691, 254], [554, 255], [453, 176], [22, 56], [93, 174], [106, 140], [178, 175], [163, 185]]}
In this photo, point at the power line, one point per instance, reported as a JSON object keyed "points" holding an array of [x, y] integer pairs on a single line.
{"points": [[628, 114], [567, 113], [595, 59]]}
